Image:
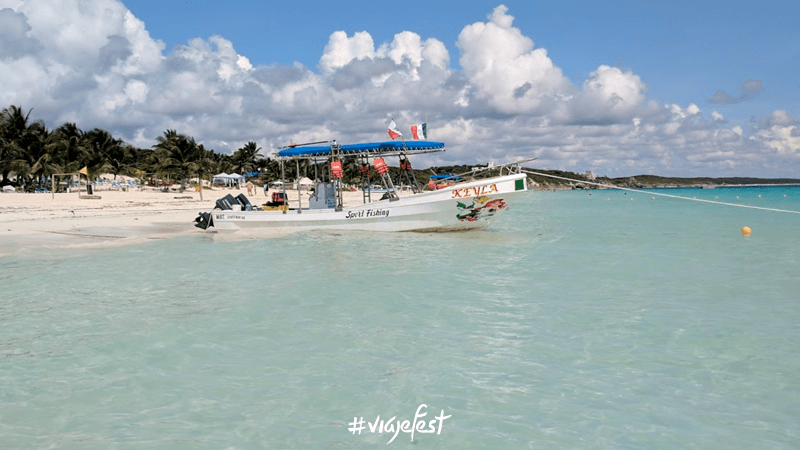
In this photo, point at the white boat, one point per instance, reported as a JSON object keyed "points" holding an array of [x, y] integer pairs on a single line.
{"points": [[472, 204]]}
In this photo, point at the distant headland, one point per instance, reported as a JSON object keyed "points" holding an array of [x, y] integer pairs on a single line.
{"points": [[572, 180]]}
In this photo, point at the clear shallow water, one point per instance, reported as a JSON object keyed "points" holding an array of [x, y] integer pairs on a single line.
{"points": [[580, 320]]}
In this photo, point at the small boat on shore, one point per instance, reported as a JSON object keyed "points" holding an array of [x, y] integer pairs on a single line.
{"points": [[463, 205]]}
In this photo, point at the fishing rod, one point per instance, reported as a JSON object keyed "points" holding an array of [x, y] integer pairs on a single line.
{"points": [[293, 145]]}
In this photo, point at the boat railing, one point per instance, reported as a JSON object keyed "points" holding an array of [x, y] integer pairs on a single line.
{"points": [[511, 168]]}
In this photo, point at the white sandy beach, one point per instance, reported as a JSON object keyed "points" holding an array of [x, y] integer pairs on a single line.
{"points": [[117, 218]]}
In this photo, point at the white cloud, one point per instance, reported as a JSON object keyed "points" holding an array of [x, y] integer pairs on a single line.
{"points": [[243, 63], [352, 60], [609, 94], [781, 139], [341, 49], [93, 62], [504, 69], [136, 91]]}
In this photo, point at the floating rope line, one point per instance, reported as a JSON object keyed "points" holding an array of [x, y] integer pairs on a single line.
{"points": [[611, 186]]}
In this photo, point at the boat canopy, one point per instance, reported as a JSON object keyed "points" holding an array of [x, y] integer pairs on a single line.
{"points": [[366, 149], [446, 176]]}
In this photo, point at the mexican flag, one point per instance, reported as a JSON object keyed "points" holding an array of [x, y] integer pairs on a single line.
{"points": [[419, 131], [394, 132]]}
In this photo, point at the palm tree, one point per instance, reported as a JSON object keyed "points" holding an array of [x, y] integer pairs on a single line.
{"points": [[33, 160], [12, 133], [5, 152], [246, 158], [68, 147], [176, 154], [224, 162], [101, 149], [23, 146], [205, 164], [119, 158], [143, 161]]}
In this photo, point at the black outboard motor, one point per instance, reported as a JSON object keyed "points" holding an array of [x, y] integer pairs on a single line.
{"points": [[246, 206], [226, 202], [203, 221]]}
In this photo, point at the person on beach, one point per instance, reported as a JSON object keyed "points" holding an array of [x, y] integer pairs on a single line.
{"points": [[266, 188], [250, 188]]}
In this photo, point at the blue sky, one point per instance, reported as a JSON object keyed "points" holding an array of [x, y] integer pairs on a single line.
{"points": [[620, 88], [684, 51]]}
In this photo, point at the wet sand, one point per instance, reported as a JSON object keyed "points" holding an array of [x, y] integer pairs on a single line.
{"points": [[117, 218]]}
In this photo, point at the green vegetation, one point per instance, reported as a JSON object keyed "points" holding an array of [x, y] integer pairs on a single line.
{"points": [[32, 153]]}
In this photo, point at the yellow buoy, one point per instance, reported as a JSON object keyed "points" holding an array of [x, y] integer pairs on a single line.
{"points": [[746, 231]]}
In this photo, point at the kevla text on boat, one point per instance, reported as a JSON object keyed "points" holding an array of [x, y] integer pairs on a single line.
{"points": [[451, 205]]}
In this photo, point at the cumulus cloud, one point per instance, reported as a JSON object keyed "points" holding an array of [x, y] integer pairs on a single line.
{"points": [[750, 88], [506, 71], [781, 132], [341, 49], [94, 63], [15, 40], [609, 94], [346, 57]]}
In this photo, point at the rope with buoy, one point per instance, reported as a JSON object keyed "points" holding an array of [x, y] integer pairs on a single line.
{"points": [[611, 186]]}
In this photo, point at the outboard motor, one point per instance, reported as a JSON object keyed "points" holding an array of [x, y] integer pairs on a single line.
{"points": [[246, 206], [226, 202], [203, 221]]}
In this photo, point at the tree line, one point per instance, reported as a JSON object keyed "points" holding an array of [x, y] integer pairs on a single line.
{"points": [[32, 153]]}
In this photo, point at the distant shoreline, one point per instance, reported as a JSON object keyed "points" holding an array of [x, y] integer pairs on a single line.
{"points": [[581, 186], [581, 181], [588, 181]]}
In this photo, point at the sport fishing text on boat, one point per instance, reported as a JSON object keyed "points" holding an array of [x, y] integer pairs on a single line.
{"points": [[367, 213]]}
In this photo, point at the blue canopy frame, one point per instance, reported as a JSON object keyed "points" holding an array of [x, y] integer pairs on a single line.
{"points": [[365, 149]]}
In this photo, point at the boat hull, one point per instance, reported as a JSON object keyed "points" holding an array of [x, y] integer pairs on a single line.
{"points": [[464, 206]]}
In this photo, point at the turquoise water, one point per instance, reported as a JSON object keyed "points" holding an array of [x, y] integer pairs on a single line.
{"points": [[579, 320]]}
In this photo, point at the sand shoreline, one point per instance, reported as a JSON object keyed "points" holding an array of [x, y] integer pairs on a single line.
{"points": [[45, 221], [29, 221]]}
